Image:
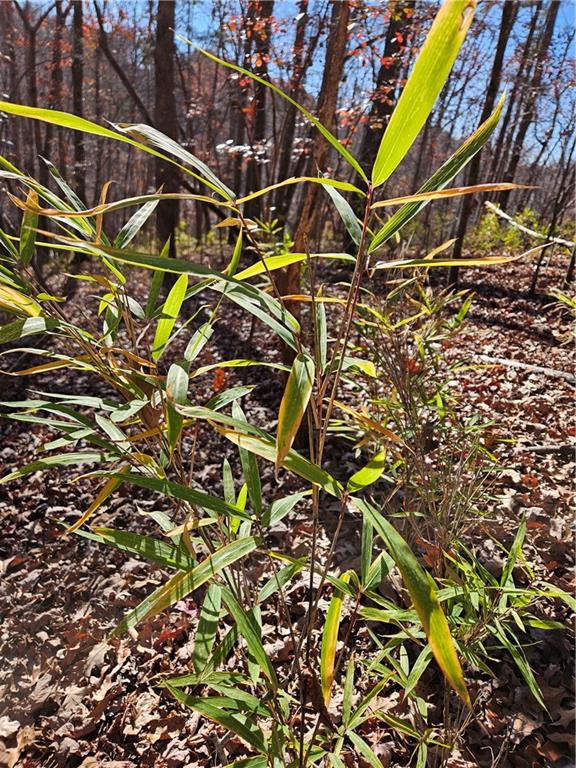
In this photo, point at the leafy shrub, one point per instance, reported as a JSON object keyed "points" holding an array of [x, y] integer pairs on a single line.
{"points": [[137, 435]]}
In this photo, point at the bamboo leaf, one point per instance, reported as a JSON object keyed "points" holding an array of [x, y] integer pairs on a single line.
{"points": [[368, 474], [59, 460], [176, 392], [425, 82], [330, 640], [271, 263], [28, 230], [107, 490], [13, 301], [347, 214], [207, 626], [170, 312], [239, 724], [249, 464], [182, 583], [250, 631], [185, 493], [134, 224], [294, 403], [443, 176], [146, 546], [293, 461], [326, 182], [423, 593], [445, 193]]}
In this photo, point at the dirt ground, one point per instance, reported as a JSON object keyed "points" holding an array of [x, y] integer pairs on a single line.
{"points": [[68, 698]]}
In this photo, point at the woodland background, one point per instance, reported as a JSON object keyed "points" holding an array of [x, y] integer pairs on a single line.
{"points": [[122, 62]]}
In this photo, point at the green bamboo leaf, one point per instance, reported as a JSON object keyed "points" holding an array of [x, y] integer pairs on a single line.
{"points": [[271, 263], [425, 82], [250, 631], [59, 460], [348, 692], [368, 474], [256, 302], [183, 492], [443, 176], [281, 507], [28, 229], [31, 326], [330, 640], [423, 593], [294, 403], [134, 224], [346, 213], [239, 724], [18, 303], [293, 461], [182, 583], [176, 392], [249, 466], [148, 136], [170, 312], [515, 650], [325, 181], [340, 148], [67, 120], [146, 546], [364, 750], [207, 627]]}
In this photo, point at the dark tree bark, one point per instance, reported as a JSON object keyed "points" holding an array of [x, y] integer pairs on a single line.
{"points": [[401, 13], [509, 11], [262, 12], [289, 281], [31, 28], [166, 120], [78, 97], [104, 46], [503, 142], [55, 94], [532, 97]]}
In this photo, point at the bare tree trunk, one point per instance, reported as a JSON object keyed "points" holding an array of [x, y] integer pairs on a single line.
{"points": [[167, 175], [261, 33], [289, 281], [509, 11], [78, 97], [533, 93], [55, 95], [118, 68]]}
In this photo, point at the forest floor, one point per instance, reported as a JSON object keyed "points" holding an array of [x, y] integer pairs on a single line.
{"points": [[69, 699]]}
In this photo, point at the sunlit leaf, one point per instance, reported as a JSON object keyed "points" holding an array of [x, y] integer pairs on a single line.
{"points": [[294, 403], [425, 82]]}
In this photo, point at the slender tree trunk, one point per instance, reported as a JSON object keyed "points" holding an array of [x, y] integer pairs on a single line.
{"points": [[534, 92], [166, 120], [55, 95], [263, 10], [502, 144], [78, 96], [509, 11], [289, 281]]}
